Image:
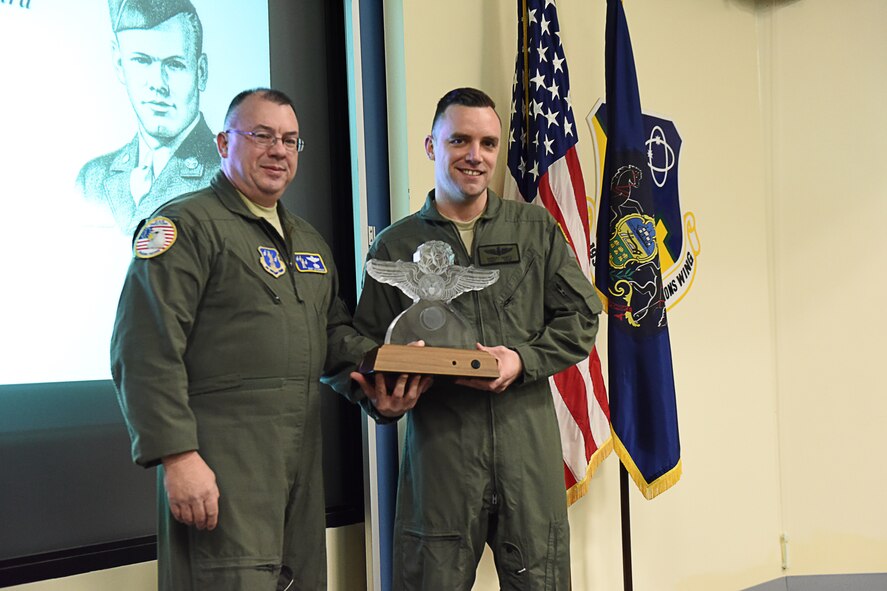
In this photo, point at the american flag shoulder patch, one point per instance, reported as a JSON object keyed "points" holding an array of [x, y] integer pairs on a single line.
{"points": [[155, 238]]}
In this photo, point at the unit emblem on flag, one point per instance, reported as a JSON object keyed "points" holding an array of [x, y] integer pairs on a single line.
{"points": [[634, 240], [270, 259], [309, 262], [677, 240], [634, 290], [155, 238]]}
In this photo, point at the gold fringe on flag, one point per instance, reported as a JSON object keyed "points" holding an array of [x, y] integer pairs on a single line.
{"points": [[650, 490], [578, 490]]}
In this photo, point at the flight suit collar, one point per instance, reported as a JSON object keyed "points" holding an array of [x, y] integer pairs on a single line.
{"points": [[230, 198], [429, 210]]}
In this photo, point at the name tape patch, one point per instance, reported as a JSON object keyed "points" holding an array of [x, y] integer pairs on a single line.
{"points": [[309, 262], [498, 254]]}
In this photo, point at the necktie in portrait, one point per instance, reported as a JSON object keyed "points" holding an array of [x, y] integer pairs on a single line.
{"points": [[140, 180]]}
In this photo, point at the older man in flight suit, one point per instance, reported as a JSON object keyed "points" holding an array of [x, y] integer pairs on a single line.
{"points": [[227, 318], [482, 458], [158, 57]]}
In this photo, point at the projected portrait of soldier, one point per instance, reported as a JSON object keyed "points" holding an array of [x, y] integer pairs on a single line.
{"points": [[158, 57]]}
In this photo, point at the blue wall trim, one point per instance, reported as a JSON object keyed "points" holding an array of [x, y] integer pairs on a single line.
{"points": [[378, 191]]}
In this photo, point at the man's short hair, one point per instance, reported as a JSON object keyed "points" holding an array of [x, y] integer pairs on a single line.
{"points": [[269, 94], [147, 14], [466, 97]]}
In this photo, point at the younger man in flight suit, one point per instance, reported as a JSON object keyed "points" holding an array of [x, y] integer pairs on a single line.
{"points": [[482, 458]]}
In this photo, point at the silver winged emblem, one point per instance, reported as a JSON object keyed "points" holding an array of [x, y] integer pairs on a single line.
{"points": [[432, 274], [432, 281]]}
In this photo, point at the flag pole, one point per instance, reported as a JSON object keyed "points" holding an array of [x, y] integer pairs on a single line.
{"points": [[627, 582]]}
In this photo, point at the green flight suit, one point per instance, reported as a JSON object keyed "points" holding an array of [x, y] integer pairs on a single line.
{"points": [[219, 346], [481, 467]]}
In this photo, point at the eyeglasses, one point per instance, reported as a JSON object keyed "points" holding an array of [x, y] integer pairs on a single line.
{"points": [[266, 140]]}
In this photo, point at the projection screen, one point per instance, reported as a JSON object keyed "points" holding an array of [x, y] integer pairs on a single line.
{"points": [[64, 257], [86, 87]]}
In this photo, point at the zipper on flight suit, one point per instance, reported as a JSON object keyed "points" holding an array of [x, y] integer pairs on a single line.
{"points": [[494, 498], [475, 296], [514, 549], [288, 259]]}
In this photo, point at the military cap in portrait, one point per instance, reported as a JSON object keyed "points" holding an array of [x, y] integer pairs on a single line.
{"points": [[145, 14]]}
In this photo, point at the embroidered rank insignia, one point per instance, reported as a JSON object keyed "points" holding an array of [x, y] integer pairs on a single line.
{"points": [[309, 262], [498, 254], [155, 238], [271, 262]]}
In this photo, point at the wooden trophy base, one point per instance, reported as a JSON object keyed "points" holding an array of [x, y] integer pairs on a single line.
{"points": [[443, 361]]}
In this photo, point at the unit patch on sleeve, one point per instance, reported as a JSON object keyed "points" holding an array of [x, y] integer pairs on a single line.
{"points": [[498, 254], [156, 237], [270, 259], [309, 262]]}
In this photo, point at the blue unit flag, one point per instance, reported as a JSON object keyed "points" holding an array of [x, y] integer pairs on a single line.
{"points": [[643, 412]]}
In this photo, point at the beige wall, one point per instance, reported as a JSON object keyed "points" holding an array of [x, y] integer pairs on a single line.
{"points": [[828, 84], [764, 359]]}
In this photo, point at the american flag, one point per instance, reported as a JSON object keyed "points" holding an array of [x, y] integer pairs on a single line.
{"points": [[544, 169]]}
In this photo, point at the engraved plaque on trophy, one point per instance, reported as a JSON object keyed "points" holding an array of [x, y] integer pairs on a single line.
{"points": [[432, 281]]}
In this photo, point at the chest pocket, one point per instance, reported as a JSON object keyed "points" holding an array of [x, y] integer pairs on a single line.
{"points": [[519, 298], [242, 311], [513, 279], [247, 281], [313, 278]]}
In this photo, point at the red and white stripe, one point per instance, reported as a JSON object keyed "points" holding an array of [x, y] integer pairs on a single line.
{"points": [[579, 393]]}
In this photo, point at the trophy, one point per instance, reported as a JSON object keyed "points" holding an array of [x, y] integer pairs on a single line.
{"points": [[432, 281]]}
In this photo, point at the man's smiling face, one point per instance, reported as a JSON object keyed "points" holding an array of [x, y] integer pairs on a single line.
{"points": [[464, 145]]}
